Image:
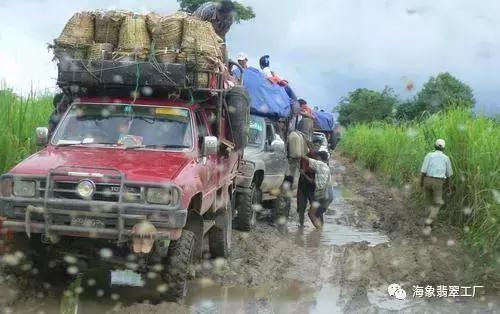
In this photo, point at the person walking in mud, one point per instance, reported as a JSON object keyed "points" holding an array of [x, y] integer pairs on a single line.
{"points": [[436, 171], [305, 187], [323, 192]]}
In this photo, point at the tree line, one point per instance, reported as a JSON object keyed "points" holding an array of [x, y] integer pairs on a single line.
{"points": [[438, 93]]}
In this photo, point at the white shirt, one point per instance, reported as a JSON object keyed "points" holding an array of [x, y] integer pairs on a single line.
{"points": [[437, 165], [267, 72], [321, 177]]}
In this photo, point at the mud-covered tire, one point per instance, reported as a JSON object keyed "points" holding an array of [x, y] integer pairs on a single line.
{"points": [[177, 262], [246, 217], [219, 237], [238, 102]]}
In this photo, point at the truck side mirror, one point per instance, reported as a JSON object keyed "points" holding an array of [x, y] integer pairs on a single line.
{"points": [[210, 145], [277, 146], [42, 136]]}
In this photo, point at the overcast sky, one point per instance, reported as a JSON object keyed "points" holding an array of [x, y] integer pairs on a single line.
{"points": [[325, 48]]}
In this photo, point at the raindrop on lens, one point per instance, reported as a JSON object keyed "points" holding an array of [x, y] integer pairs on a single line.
{"points": [[106, 253], [162, 288], [147, 91], [467, 211], [70, 259], [72, 270]]}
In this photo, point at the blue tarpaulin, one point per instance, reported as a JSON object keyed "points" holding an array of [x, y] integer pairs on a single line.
{"points": [[267, 99], [324, 120]]}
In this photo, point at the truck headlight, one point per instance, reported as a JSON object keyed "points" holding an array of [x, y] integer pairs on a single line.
{"points": [[164, 196], [86, 189], [24, 188]]}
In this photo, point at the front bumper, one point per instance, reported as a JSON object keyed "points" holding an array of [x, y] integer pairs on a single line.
{"points": [[53, 216], [116, 226]]}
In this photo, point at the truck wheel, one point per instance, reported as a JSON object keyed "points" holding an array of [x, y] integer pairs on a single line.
{"points": [[238, 102], [180, 254], [219, 237], [246, 213]]}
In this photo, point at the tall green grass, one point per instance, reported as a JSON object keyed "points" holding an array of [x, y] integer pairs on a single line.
{"points": [[473, 145], [19, 116]]}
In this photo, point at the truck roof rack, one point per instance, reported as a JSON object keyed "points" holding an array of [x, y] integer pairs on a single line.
{"points": [[118, 78]]}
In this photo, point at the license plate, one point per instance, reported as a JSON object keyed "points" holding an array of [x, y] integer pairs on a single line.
{"points": [[87, 222], [126, 278]]}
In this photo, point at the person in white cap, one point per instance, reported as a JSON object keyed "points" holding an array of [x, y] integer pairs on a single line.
{"points": [[242, 59], [436, 170]]}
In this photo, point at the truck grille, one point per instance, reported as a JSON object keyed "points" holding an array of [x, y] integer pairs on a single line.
{"points": [[106, 192]]}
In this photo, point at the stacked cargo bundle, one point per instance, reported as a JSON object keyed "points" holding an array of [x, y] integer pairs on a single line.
{"points": [[76, 37], [120, 36], [166, 33]]}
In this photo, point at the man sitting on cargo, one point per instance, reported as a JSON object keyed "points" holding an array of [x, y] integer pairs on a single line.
{"points": [[243, 62], [220, 14]]}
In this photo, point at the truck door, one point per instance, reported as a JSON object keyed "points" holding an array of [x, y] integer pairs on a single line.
{"points": [[207, 167], [276, 162]]}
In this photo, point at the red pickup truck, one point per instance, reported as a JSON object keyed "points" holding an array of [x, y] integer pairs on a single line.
{"points": [[133, 182]]}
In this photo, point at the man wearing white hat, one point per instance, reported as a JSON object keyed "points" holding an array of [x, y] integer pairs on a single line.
{"points": [[242, 59], [436, 170]]}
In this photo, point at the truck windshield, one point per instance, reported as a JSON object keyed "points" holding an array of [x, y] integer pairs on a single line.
{"points": [[129, 125], [256, 134]]}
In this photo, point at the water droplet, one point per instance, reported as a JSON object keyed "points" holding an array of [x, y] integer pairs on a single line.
{"points": [[10, 260], [157, 268], [496, 195], [450, 242], [70, 259], [427, 231], [115, 296], [152, 275], [162, 288], [100, 293], [147, 91], [106, 253], [132, 266], [467, 211], [72, 270]]}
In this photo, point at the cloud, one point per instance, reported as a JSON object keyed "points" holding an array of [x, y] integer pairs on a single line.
{"points": [[324, 48]]}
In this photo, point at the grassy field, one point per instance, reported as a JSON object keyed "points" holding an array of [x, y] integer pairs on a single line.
{"points": [[18, 119], [473, 144]]}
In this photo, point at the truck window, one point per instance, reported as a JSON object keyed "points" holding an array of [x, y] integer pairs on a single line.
{"points": [[256, 131], [110, 124]]}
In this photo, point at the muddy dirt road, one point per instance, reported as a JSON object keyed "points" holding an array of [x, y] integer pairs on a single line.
{"points": [[371, 239]]}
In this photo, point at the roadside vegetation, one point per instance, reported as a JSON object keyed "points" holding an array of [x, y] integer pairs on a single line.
{"points": [[395, 146], [19, 116]]}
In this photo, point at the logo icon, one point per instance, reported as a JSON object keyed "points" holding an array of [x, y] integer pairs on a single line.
{"points": [[396, 291]]}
